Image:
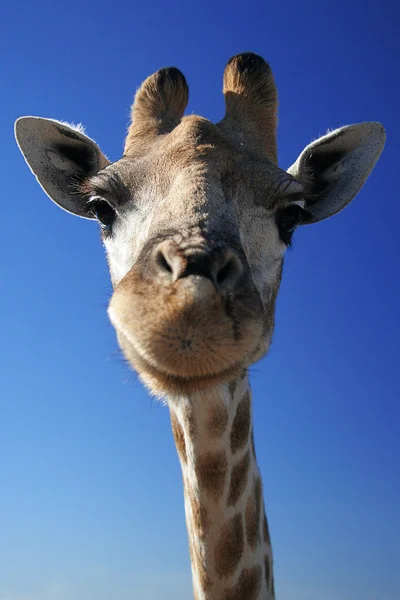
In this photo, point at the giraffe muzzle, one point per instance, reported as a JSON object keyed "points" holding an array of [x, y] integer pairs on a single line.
{"points": [[188, 314]]}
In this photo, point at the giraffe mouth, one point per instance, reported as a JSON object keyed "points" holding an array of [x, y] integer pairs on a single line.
{"points": [[167, 376], [160, 382], [186, 337]]}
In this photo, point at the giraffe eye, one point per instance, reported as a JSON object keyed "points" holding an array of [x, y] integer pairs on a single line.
{"points": [[287, 219], [103, 212]]}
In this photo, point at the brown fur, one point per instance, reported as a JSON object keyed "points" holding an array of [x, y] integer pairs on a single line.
{"points": [[211, 471], [253, 447], [266, 535], [247, 587], [238, 479], [267, 566], [218, 421], [201, 571], [252, 515], [229, 548], [241, 424], [179, 438], [251, 102], [199, 514], [157, 109], [198, 562]]}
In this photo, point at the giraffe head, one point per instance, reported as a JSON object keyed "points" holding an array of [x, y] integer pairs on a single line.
{"points": [[196, 217]]}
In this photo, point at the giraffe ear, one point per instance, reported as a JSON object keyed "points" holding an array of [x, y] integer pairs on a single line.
{"points": [[61, 157], [335, 167]]}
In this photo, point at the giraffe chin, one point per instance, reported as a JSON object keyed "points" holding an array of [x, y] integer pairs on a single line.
{"points": [[185, 337], [183, 379], [161, 383]]}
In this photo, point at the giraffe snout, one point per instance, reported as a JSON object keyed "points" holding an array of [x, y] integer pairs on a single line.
{"points": [[220, 264], [187, 315]]}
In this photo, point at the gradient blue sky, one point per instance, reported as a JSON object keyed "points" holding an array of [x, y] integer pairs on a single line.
{"points": [[90, 488]]}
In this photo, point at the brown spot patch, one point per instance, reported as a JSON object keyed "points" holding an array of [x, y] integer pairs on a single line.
{"points": [[218, 421], [211, 470], [232, 388], [229, 548], [238, 479], [179, 437], [253, 515], [267, 564], [247, 587], [199, 514], [267, 538], [189, 423], [241, 424]]}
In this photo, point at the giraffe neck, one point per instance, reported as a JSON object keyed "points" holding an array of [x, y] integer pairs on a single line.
{"points": [[229, 542]]}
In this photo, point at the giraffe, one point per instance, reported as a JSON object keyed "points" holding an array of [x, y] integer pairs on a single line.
{"points": [[195, 219]]}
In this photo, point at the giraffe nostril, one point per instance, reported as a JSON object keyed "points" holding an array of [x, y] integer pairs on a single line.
{"points": [[228, 273], [221, 266], [162, 262], [168, 261]]}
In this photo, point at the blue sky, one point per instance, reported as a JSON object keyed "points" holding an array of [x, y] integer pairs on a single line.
{"points": [[91, 502]]}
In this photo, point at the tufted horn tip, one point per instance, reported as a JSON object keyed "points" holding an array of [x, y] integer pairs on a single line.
{"points": [[246, 64], [249, 74], [173, 88]]}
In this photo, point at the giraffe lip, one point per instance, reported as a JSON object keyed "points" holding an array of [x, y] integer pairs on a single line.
{"points": [[187, 346], [162, 382], [183, 342]]}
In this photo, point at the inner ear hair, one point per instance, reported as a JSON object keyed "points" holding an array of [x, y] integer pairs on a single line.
{"points": [[317, 169], [81, 155]]}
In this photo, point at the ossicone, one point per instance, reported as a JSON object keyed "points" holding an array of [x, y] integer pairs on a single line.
{"points": [[157, 109], [251, 101]]}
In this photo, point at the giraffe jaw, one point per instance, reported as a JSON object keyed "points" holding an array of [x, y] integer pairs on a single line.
{"points": [[162, 384], [186, 336]]}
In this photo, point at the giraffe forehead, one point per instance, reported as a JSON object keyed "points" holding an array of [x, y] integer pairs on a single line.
{"points": [[198, 131], [195, 182], [197, 152], [187, 173], [195, 142]]}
